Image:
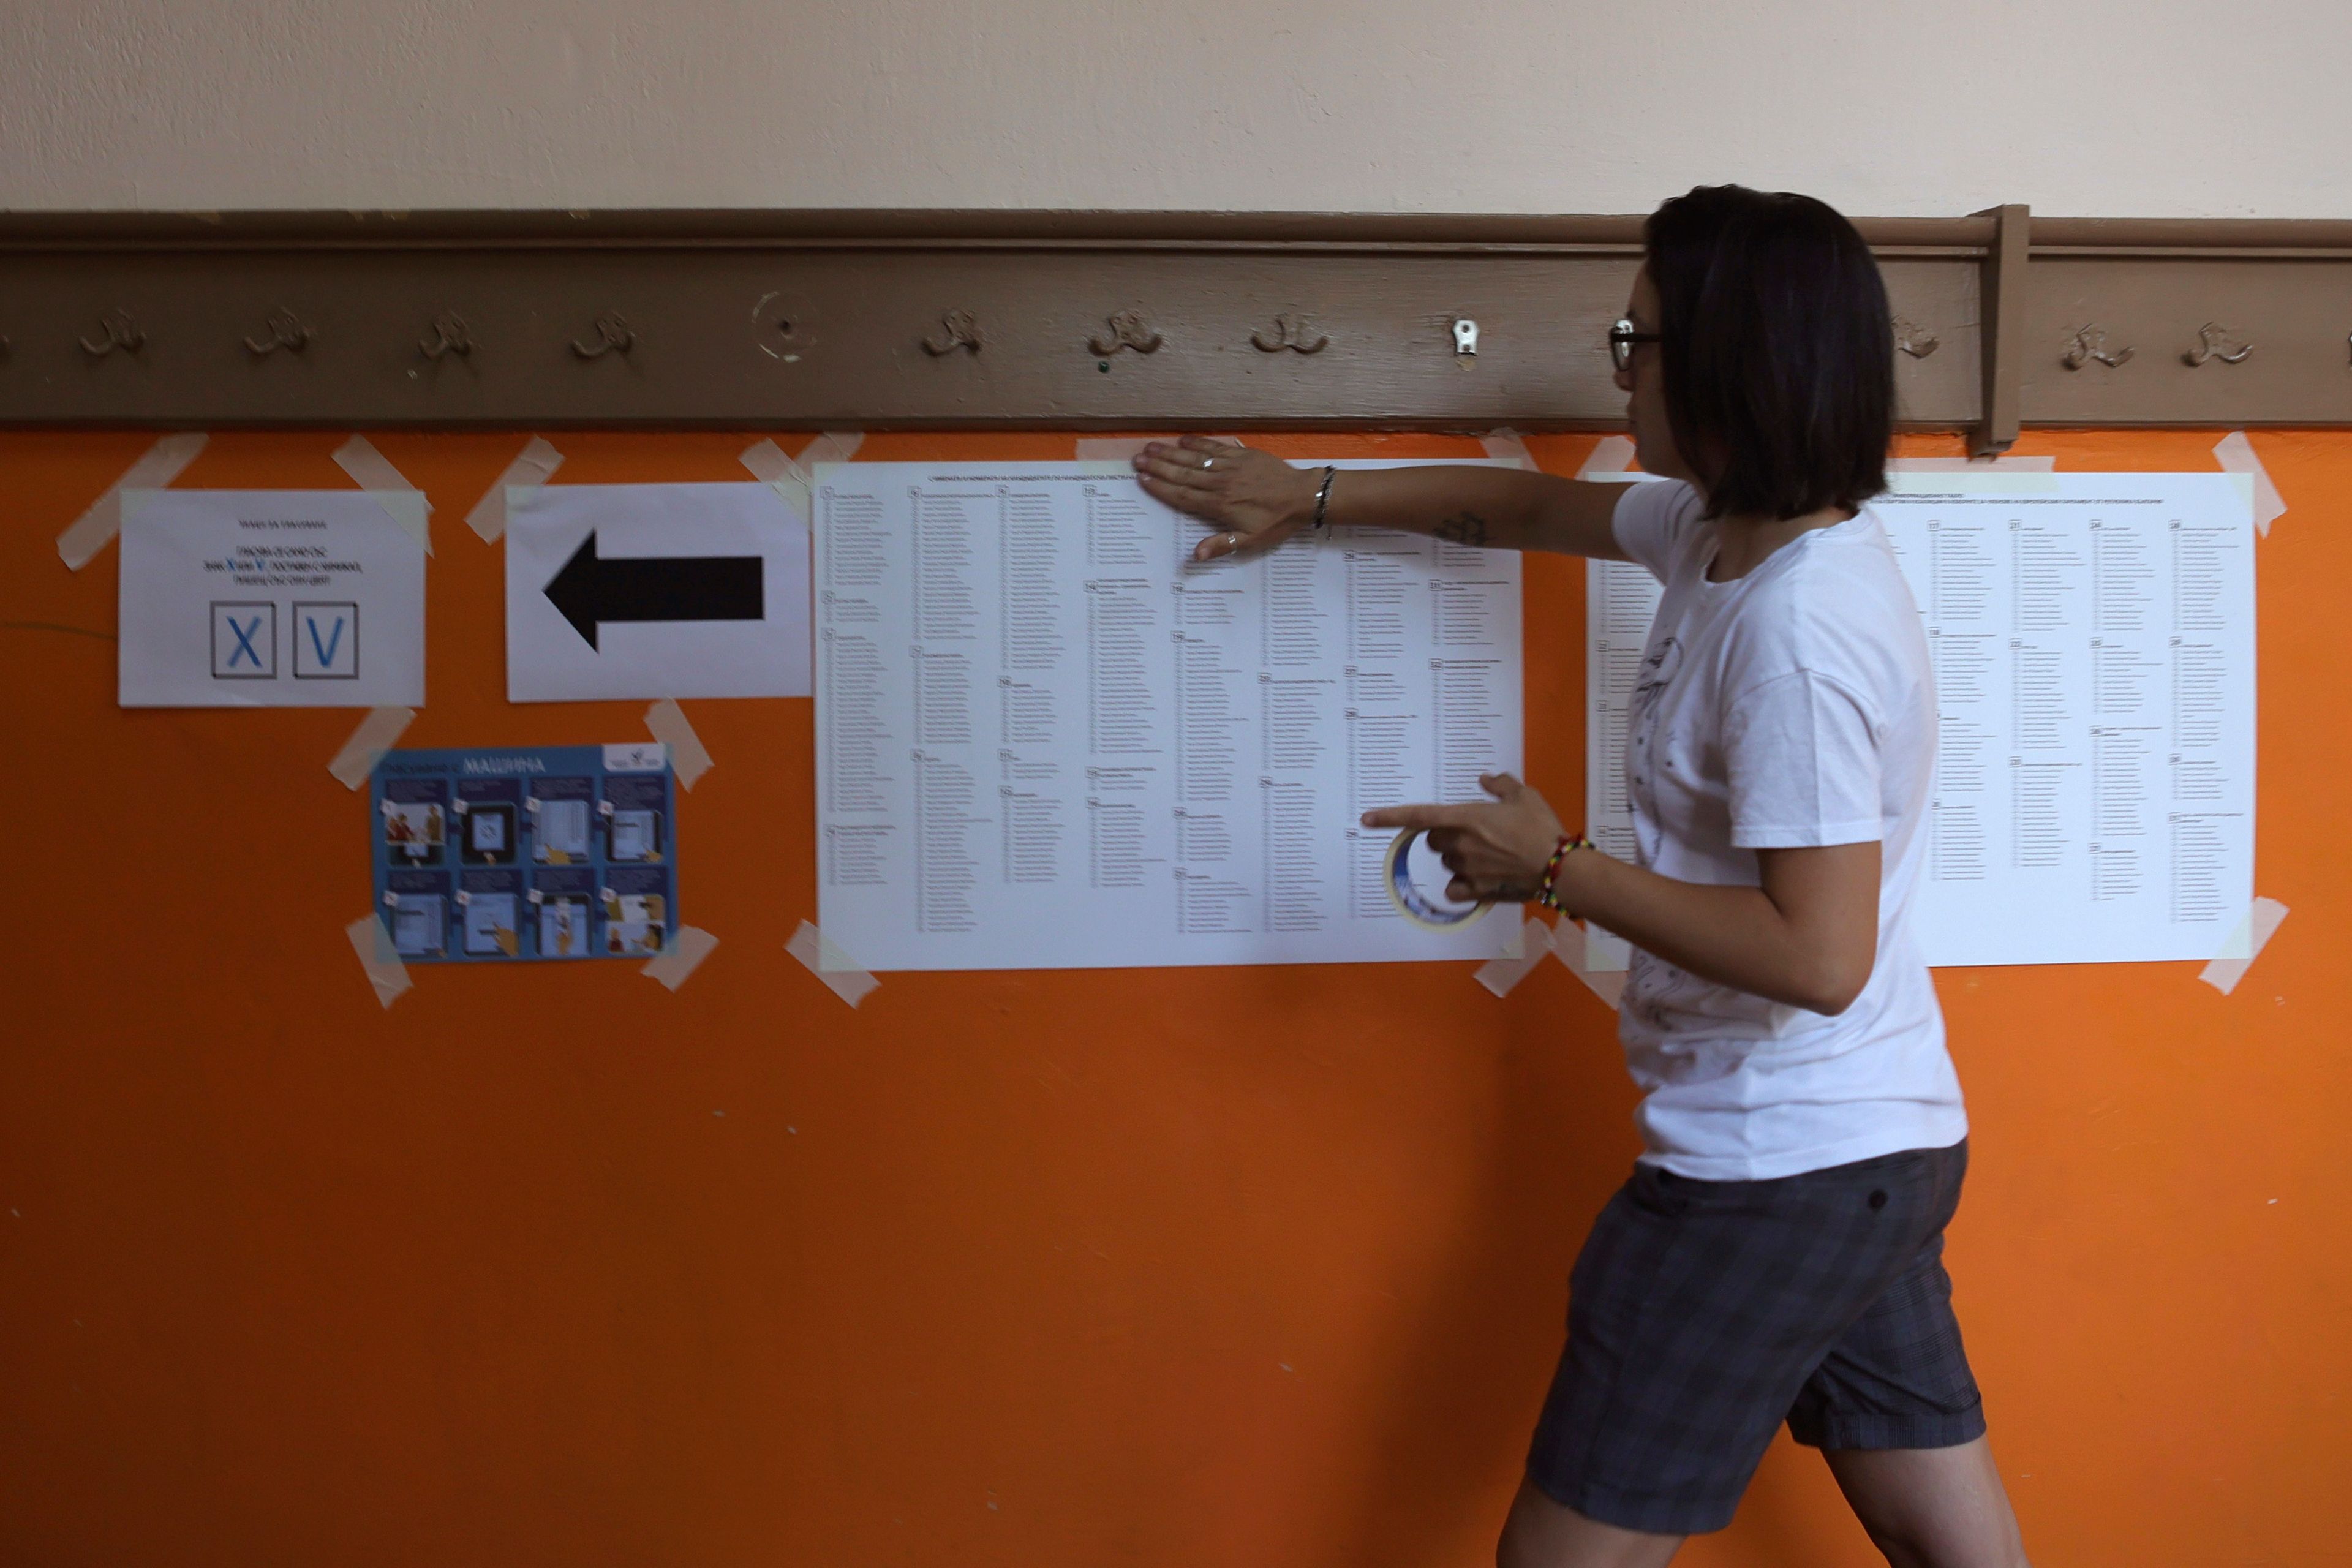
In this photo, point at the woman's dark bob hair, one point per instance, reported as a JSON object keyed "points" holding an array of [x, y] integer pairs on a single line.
{"points": [[1778, 350]]}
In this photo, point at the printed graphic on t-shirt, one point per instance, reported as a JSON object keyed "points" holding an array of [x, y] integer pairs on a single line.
{"points": [[1829, 742], [1658, 671], [1659, 668]]}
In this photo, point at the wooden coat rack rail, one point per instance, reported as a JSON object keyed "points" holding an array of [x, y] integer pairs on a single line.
{"points": [[947, 320]]}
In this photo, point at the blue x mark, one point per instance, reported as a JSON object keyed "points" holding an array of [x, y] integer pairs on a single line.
{"points": [[244, 648]]}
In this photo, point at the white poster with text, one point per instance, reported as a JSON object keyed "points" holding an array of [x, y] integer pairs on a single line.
{"points": [[2093, 637], [272, 599]]}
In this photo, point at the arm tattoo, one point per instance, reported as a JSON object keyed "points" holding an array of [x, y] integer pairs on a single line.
{"points": [[1467, 528]]}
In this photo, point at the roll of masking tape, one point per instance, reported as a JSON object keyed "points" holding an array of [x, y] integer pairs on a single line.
{"points": [[1416, 906]]}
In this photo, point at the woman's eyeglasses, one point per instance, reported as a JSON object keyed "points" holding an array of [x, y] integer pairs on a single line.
{"points": [[1621, 339]]}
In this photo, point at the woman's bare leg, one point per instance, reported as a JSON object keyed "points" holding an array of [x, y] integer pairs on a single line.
{"points": [[1931, 1508], [1541, 1533]]}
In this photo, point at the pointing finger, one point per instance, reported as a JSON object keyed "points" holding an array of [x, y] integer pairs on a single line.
{"points": [[1421, 816]]}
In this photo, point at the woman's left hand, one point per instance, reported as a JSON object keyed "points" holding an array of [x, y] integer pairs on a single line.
{"points": [[1496, 849], [1256, 498]]}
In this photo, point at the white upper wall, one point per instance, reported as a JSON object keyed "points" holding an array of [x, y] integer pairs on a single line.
{"points": [[2136, 108]]}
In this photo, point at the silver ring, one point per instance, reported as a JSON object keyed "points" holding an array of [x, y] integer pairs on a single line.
{"points": [[1233, 541], [1208, 463]]}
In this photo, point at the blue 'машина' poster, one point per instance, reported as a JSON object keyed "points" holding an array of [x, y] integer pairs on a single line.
{"points": [[510, 854]]}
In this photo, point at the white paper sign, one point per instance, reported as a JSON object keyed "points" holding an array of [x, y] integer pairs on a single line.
{"points": [[1048, 739], [2094, 645], [2093, 640], [272, 599], [628, 591]]}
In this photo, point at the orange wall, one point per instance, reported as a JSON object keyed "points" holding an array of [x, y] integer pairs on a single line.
{"points": [[1056, 1270]]}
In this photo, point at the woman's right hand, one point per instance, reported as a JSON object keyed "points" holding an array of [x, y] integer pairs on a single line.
{"points": [[1255, 498]]}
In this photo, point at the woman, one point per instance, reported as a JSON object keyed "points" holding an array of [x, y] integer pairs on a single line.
{"points": [[1777, 1253]]}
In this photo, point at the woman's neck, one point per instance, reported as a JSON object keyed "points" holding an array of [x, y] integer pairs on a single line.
{"points": [[1743, 544]]}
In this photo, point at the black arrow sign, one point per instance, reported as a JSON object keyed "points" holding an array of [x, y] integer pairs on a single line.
{"points": [[590, 588]]}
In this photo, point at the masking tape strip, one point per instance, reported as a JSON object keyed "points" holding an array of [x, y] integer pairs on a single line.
{"points": [[2245, 946], [156, 468], [1507, 444], [1500, 974], [1120, 450], [1605, 952], [779, 473], [795, 479], [373, 472], [532, 467], [368, 744], [680, 956], [2235, 452], [689, 759], [836, 968], [832, 446], [767, 461], [384, 971], [1412, 903], [1609, 984], [1613, 456]]}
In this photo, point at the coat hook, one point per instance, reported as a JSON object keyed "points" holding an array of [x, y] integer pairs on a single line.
{"points": [[1914, 339], [958, 329], [449, 337], [285, 331], [1289, 332], [2091, 343], [613, 333], [2215, 341], [1128, 330], [119, 332]]}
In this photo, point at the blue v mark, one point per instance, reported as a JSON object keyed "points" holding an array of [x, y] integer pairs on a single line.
{"points": [[326, 654]]}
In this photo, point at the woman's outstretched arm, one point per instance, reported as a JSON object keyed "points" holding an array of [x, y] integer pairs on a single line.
{"points": [[1257, 501], [1807, 935]]}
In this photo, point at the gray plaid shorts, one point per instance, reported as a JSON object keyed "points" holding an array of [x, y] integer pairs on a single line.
{"points": [[1702, 1314]]}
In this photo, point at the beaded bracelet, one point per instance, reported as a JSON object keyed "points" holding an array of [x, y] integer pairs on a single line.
{"points": [[1546, 890], [1321, 527]]}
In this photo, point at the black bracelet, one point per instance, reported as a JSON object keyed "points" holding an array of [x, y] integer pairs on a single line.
{"points": [[1321, 526]]}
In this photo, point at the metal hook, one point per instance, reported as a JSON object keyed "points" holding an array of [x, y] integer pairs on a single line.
{"points": [[1914, 339], [958, 329], [1465, 337], [2210, 339], [450, 336], [121, 333], [1128, 330], [612, 332], [1289, 332], [285, 331], [2091, 343]]}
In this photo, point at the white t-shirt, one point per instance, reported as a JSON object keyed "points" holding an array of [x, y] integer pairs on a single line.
{"points": [[1791, 708]]}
